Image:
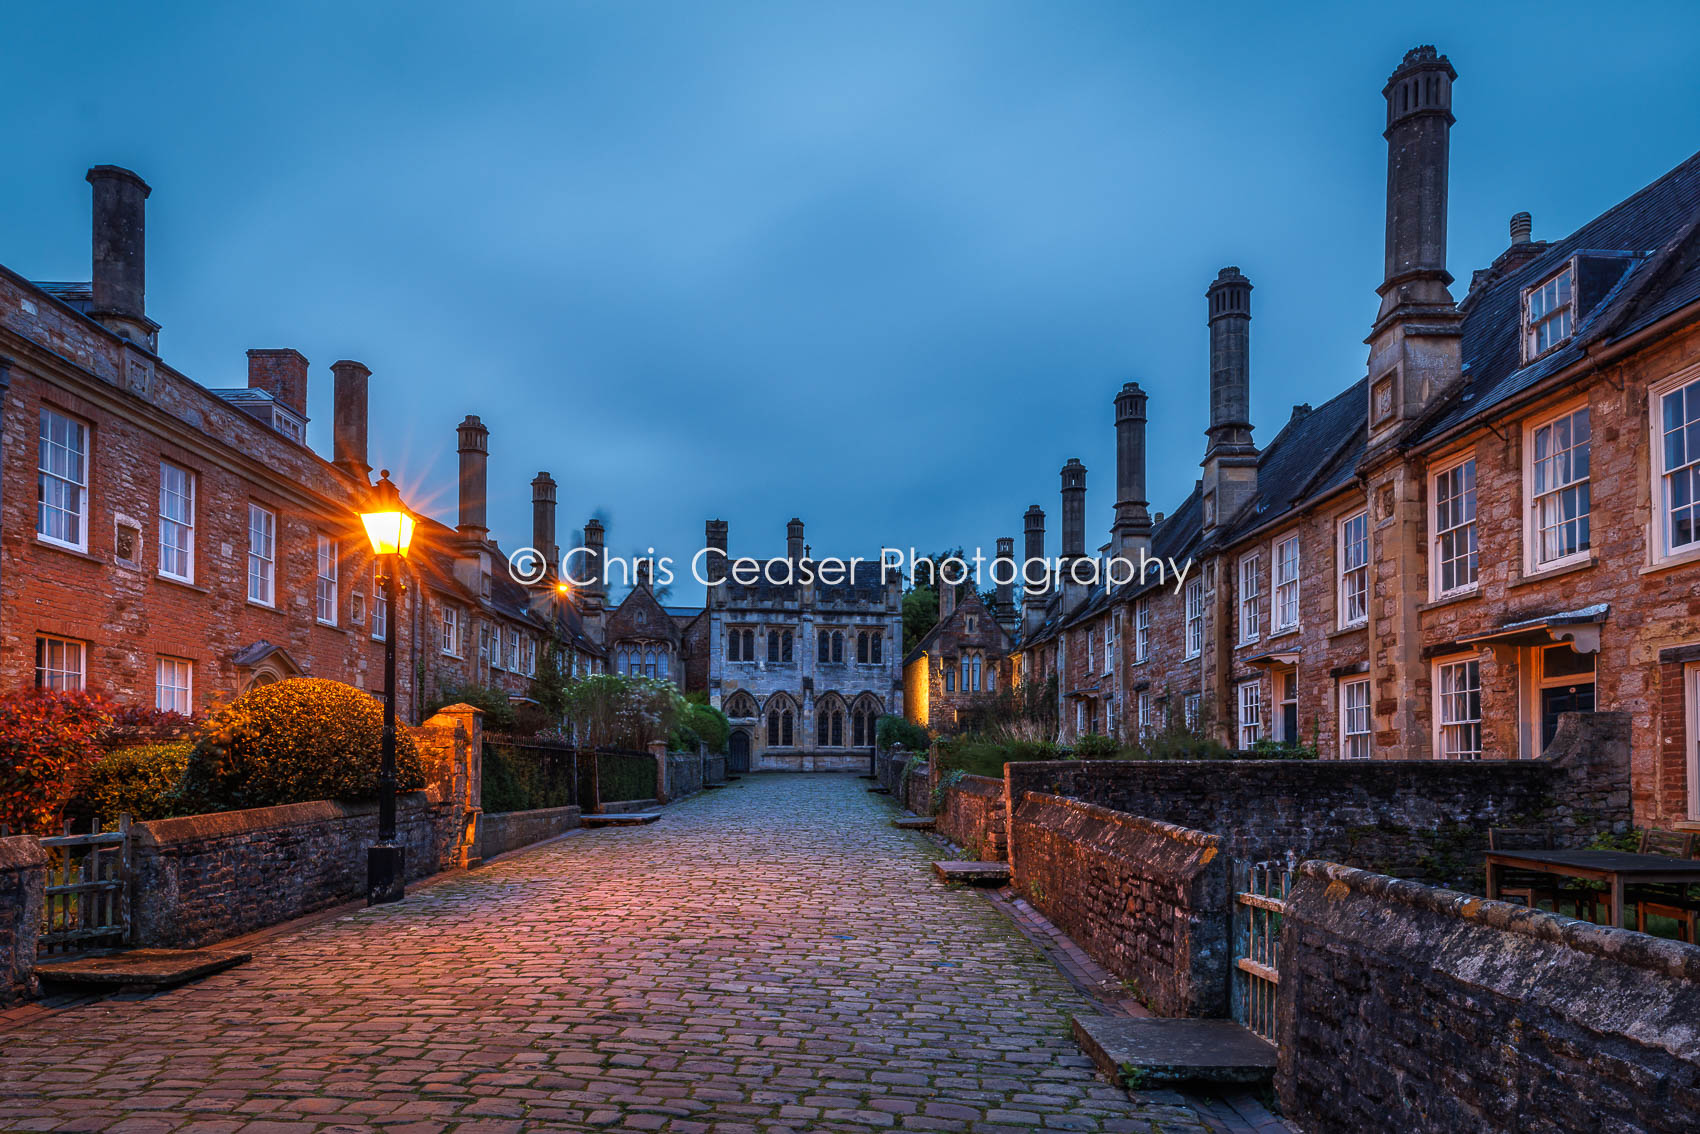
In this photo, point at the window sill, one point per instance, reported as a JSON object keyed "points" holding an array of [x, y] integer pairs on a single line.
{"points": [[1558, 570], [186, 584], [1448, 600], [1354, 628], [67, 549], [323, 625], [1680, 559], [1287, 633], [270, 608]]}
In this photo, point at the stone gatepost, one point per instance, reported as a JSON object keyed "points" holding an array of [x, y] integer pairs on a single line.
{"points": [[451, 746], [658, 749]]}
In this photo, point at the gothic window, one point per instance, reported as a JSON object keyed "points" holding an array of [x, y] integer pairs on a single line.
{"points": [[856, 728], [837, 729], [879, 639], [822, 731], [661, 664], [976, 685], [785, 647], [862, 648], [773, 727], [773, 645], [837, 645], [649, 663], [741, 706], [785, 728], [749, 645], [824, 651], [733, 653]]}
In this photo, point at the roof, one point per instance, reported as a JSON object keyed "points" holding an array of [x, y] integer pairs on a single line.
{"points": [[864, 585]]}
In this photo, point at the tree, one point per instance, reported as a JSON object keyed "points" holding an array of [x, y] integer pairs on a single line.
{"points": [[613, 710]]}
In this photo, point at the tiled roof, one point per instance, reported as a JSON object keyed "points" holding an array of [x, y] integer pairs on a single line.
{"points": [[864, 585]]}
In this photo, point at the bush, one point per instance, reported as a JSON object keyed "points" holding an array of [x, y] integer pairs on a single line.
{"points": [[1094, 746], [290, 742], [700, 723], [137, 781], [526, 778], [983, 756], [48, 740], [892, 729], [499, 715]]}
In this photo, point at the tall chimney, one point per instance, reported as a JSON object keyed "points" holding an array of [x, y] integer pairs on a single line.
{"points": [[282, 373], [947, 599], [1033, 593], [348, 418], [1131, 532], [543, 497], [592, 568], [1004, 569], [714, 566], [120, 255], [474, 477], [1230, 457], [794, 540], [1073, 509]]}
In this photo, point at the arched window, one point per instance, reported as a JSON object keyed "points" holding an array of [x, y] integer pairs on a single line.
{"points": [[785, 729], [773, 645], [661, 663], [785, 647], [837, 645], [749, 645], [649, 663], [732, 643], [862, 648], [837, 729], [967, 666], [856, 728], [741, 706], [976, 685], [824, 651], [773, 727], [991, 676], [879, 642], [822, 731]]}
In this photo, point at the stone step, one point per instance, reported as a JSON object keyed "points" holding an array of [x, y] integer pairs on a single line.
{"points": [[619, 819], [1152, 1052], [879, 791], [712, 787], [139, 969], [914, 823], [974, 873]]}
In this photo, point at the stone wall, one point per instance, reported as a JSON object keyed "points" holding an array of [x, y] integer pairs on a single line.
{"points": [[915, 792], [1147, 899], [714, 770], [504, 831], [973, 815], [1455, 1013], [1425, 819], [684, 774], [203, 878], [23, 876]]}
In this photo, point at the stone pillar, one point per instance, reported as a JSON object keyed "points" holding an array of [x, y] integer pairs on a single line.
{"points": [[451, 746], [23, 881], [658, 749]]}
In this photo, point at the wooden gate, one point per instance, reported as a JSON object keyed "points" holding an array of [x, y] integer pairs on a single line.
{"points": [[88, 890], [1260, 899]]}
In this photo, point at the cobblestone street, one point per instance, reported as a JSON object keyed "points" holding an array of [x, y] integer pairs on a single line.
{"points": [[769, 957]]}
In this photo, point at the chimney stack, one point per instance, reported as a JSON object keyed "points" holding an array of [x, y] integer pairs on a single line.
{"points": [[282, 373], [1073, 529], [120, 255], [592, 568], [714, 566], [1230, 457], [1033, 594], [1131, 533], [348, 418], [1004, 568], [543, 498], [474, 478], [947, 599], [794, 540]]}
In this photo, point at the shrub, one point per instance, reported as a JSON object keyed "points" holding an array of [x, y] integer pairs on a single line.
{"points": [[526, 778], [48, 739], [290, 742], [892, 729], [986, 756], [1094, 746], [137, 780], [700, 723]]}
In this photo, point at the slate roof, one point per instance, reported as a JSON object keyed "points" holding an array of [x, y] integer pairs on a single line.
{"points": [[863, 586]]}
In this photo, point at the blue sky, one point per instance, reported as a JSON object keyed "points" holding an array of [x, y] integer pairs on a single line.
{"points": [[882, 266]]}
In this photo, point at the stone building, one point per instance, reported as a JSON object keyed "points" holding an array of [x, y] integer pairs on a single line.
{"points": [[1494, 524], [802, 669], [953, 675]]}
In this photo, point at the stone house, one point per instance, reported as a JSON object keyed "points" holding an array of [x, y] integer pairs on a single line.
{"points": [[955, 672], [1417, 568]]}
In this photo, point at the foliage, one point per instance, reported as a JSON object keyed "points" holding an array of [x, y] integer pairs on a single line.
{"points": [[700, 723], [920, 614], [986, 755], [144, 724], [525, 778], [1629, 840], [1095, 746], [614, 710], [891, 729], [549, 685], [498, 710], [623, 777], [946, 781], [290, 742], [48, 740], [1268, 749], [137, 781]]}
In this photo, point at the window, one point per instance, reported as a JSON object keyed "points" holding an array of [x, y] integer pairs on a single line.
{"points": [[1087, 635], [858, 729], [1251, 596], [1691, 683], [1144, 714], [786, 646], [838, 645], [449, 637], [749, 645], [1558, 488], [660, 664], [733, 653], [62, 496], [1194, 618], [176, 522], [1458, 686], [1080, 718], [949, 677], [1141, 630], [380, 607], [262, 552], [58, 663], [823, 648], [326, 587], [1676, 459], [1453, 556], [862, 648], [1286, 724], [773, 645], [1251, 712], [1109, 645], [173, 685], [512, 654], [837, 729], [1353, 557], [1354, 719], [877, 648], [977, 662], [529, 658], [1190, 710], [1286, 613], [356, 608], [1547, 315], [773, 727]]}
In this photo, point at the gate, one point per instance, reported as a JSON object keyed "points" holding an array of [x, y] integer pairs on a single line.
{"points": [[88, 890], [1260, 900]]}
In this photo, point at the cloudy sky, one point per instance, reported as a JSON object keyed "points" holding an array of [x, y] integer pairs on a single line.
{"points": [[882, 266]]}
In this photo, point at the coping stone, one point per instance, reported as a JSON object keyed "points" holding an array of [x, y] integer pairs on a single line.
{"points": [[141, 968], [1143, 1052], [974, 873]]}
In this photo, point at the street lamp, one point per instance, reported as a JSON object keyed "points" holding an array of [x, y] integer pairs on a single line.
{"points": [[390, 529]]}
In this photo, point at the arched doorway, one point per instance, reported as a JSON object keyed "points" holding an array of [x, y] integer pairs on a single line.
{"points": [[738, 751]]}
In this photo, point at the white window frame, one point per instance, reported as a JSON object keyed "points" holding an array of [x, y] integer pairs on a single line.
{"points": [[1447, 698], [262, 558], [449, 632], [1284, 609], [1194, 625], [325, 586], [511, 654], [61, 676], [1141, 630], [1353, 580], [1109, 646], [169, 695], [1091, 654], [1079, 718], [1192, 708], [1248, 724], [1144, 709], [62, 473], [1251, 597], [173, 524], [1467, 527], [1558, 311], [1356, 743], [1663, 549], [380, 607], [1535, 556]]}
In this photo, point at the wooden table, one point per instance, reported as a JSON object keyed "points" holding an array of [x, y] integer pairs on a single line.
{"points": [[1617, 869]]}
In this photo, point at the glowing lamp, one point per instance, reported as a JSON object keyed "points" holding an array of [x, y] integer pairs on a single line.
{"points": [[388, 526]]}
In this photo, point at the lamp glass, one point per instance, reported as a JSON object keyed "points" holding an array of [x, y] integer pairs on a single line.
{"points": [[389, 532]]}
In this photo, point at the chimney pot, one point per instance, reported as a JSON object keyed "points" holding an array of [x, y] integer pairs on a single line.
{"points": [[348, 417], [1131, 531], [592, 569], [1522, 228]]}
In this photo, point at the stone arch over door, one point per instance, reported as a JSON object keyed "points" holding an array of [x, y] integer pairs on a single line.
{"points": [[864, 711]]}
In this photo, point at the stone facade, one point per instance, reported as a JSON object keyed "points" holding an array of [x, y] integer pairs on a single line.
{"points": [[23, 874], [957, 670], [506, 831]]}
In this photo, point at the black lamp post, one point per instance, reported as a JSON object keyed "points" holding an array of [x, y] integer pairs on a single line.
{"points": [[390, 530]]}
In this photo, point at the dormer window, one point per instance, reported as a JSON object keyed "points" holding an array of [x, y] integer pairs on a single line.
{"points": [[1549, 311]]}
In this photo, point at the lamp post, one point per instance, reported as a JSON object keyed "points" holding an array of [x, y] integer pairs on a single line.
{"points": [[390, 530]]}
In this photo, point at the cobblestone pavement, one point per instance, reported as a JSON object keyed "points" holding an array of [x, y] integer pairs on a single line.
{"points": [[769, 957]]}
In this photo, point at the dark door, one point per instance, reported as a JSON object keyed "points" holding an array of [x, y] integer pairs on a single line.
{"points": [[738, 752], [1563, 699]]}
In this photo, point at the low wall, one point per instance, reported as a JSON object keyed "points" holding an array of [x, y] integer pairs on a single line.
{"points": [[714, 770], [23, 878], [504, 831], [203, 878], [915, 790], [1147, 899], [684, 774], [1454, 1013], [809, 762], [1424, 819], [973, 815]]}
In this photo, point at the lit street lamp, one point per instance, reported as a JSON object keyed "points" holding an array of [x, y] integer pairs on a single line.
{"points": [[390, 529]]}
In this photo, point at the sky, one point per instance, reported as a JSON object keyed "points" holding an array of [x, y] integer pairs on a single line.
{"points": [[882, 266]]}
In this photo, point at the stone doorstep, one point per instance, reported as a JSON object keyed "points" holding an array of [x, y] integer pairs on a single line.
{"points": [[140, 969], [914, 823], [974, 873], [1155, 1051], [712, 787], [879, 791], [619, 819]]}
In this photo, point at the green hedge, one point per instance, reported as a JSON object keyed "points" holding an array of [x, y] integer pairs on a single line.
{"points": [[524, 778], [621, 777], [138, 781]]}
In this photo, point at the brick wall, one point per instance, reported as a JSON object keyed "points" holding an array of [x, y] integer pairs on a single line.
{"points": [[1147, 899], [1425, 819], [23, 874], [1458, 1014], [974, 815]]}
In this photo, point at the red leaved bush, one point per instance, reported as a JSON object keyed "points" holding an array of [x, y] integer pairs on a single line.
{"points": [[48, 740]]}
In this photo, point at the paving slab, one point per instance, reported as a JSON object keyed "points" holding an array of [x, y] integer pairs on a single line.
{"points": [[140, 968], [1151, 1052], [914, 823], [619, 819], [974, 873]]}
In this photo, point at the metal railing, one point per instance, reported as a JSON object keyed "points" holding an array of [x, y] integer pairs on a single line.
{"points": [[1260, 901]]}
